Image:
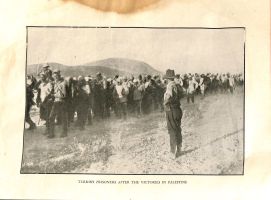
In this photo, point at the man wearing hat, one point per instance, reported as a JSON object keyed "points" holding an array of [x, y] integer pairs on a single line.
{"points": [[192, 86], [45, 99], [137, 96], [59, 105], [47, 72], [173, 110], [98, 97], [120, 95]]}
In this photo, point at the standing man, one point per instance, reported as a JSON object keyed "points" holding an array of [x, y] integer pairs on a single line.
{"points": [[202, 86], [29, 102], [45, 99], [82, 96], [98, 97], [59, 107], [192, 86], [120, 93], [231, 83], [137, 96], [174, 114]]}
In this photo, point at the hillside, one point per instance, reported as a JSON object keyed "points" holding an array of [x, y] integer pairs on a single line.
{"points": [[126, 65], [108, 67]]}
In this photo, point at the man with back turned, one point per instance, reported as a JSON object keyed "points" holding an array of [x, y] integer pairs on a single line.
{"points": [[173, 110]]}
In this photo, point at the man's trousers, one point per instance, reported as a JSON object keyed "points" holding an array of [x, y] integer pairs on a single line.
{"points": [[174, 117]]}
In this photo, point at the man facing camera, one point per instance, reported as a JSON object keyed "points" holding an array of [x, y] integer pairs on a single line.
{"points": [[59, 105], [174, 113]]}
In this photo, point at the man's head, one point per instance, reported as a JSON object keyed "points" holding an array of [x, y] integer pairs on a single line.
{"points": [[45, 66], [178, 76], [170, 74], [29, 80], [99, 76], [149, 77], [43, 77], [136, 81], [116, 77], [119, 81], [81, 80], [56, 75]]}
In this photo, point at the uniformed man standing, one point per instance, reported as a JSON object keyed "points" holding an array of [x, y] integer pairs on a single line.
{"points": [[45, 99], [59, 105], [173, 110], [120, 94]]}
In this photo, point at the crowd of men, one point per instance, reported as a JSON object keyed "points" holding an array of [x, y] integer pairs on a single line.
{"points": [[85, 99]]}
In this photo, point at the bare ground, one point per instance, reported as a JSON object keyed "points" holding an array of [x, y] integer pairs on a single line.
{"points": [[212, 143]]}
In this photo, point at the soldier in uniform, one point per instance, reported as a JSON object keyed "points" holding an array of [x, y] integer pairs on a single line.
{"points": [[45, 99], [173, 110], [120, 94], [59, 106]]}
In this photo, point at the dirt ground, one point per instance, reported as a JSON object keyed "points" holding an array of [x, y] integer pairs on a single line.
{"points": [[212, 143]]}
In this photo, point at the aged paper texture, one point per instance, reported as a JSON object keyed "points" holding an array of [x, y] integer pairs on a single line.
{"points": [[251, 16]]}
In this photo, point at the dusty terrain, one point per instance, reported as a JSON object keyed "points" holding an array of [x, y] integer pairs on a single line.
{"points": [[212, 143]]}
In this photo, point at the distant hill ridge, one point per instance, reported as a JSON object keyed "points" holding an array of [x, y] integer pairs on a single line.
{"points": [[109, 67]]}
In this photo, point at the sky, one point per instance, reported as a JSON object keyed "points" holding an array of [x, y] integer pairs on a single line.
{"points": [[184, 50]]}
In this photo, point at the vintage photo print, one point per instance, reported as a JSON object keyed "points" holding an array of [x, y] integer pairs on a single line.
{"points": [[134, 100]]}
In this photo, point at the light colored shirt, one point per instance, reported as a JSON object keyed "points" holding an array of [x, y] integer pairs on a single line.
{"points": [[119, 89], [59, 90], [45, 90], [86, 88], [231, 81], [192, 86], [179, 81]]}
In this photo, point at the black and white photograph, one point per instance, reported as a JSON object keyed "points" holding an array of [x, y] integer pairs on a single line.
{"points": [[134, 100]]}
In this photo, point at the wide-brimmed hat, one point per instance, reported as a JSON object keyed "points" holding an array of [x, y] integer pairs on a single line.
{"points": [[170, 73]]}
